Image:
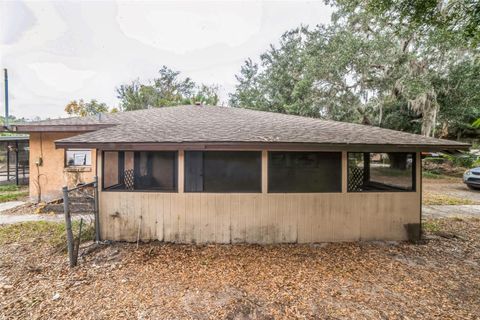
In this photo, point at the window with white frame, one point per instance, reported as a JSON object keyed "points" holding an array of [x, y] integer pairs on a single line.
{"points": [[78, 157]]}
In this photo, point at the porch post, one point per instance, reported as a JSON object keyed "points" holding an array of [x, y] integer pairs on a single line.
{"points": [[181, 171], [344, 172], [264, 171]]}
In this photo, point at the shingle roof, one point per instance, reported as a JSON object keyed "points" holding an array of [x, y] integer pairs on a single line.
{"points": [[208, 124], [97, 121]]}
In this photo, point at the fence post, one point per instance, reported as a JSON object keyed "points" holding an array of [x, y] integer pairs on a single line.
{"points": [[96, 210], [76, 248], [68, 227], [16, 163]]}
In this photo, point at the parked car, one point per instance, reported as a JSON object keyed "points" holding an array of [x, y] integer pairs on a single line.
{"points": [[471, 178]]}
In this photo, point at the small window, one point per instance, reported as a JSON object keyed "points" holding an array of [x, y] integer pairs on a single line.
{"points": [[223, 171], [393, 171], [77, 157], [140, 170], [304, 172]]}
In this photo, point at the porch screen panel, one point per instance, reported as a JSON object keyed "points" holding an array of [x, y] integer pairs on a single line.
{"points": [[140, 170], [302, 172], [373, 171], [155, 171], [223, 171]]}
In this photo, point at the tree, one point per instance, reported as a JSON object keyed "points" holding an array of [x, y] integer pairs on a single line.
{"points": [[166, 90], [365, 67], [459, 99], [83, 109], [453, 18]]}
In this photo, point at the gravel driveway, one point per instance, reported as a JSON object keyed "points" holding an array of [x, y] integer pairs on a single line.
{"points": [[451, 187]]}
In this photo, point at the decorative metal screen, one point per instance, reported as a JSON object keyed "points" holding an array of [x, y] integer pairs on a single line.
{"points": [[355, 179], [129, 180]]}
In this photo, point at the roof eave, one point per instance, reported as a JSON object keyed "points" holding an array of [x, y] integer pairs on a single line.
{"points": [[58, 128], [198, 145]]}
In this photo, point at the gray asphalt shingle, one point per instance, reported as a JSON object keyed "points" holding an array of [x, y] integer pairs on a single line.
{"points": [[184, 124]]}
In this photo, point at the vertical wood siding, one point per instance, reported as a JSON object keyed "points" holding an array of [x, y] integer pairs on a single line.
{"points": [[259, 217]]}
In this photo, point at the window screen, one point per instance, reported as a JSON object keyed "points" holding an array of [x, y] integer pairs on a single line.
{"points": [[77, 157], [140, 170], [304, 172], [393, 171], [223, 171]]}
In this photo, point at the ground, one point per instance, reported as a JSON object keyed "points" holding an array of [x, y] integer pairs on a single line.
{"points": [[436, 278], [445, 190]]}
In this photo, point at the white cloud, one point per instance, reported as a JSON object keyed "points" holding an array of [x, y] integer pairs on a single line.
{"points": [[70, 50], [60, 78], [189, 27]]}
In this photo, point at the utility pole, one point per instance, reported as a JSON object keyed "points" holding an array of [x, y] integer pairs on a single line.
{"points": [[6, 97]]}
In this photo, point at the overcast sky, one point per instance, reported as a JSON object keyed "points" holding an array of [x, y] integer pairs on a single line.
{"points": [[56, 52]]}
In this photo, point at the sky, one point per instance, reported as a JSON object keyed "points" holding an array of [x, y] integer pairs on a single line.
{"points": [[56, 52]]}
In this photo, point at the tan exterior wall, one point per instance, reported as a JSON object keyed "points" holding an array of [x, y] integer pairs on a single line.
{"points": [[52, 175], [259, 217]]}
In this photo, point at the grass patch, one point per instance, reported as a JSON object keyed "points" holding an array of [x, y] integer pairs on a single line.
{"points": [[9, 187], [428, 174], [13, 196], [432, 175], [45, 232], [441, 199], [431, 226], [11, 192]]}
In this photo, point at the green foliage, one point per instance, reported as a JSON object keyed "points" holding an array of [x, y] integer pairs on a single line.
{"points": [[166, 90], [83, 109], [459, 99], [453, 18], [476, 123], [465, 160], [375, 65]]}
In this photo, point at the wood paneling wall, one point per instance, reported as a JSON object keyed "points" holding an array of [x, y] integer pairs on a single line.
{"points": [[258, 217]]}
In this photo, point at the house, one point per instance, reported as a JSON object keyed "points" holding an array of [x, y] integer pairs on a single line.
{"points": [[14, 159], [227, 175]]}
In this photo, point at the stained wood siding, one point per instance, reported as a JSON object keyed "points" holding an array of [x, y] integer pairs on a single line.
{"points": [[259, 217]]}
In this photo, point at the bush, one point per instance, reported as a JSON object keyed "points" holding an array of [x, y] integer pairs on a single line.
{"points": [[465, 160]]}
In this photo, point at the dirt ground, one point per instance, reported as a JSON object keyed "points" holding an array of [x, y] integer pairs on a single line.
{"points": [[435, 279], [448, 190]]}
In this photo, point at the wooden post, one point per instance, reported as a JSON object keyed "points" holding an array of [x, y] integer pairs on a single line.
{"points": [[68, 227], [77, 245], [264, 171], [344, 171], [16, 163], [181, 171], [96, 209], [8, 161]]}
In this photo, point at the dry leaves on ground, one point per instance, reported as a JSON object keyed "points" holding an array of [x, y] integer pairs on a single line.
{"points": [[436, 279]]}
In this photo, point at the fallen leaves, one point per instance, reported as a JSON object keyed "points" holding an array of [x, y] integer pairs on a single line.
{"points": [[436, 279]]}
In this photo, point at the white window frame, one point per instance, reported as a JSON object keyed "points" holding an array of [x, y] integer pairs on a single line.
{"points": [[88, 157]]}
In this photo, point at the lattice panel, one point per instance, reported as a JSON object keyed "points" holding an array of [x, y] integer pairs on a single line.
{"points": [[129, 180], [355, 179]]}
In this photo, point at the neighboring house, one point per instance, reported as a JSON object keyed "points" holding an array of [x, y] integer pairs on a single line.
{"points": [[14, 153], [216, 174]]}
